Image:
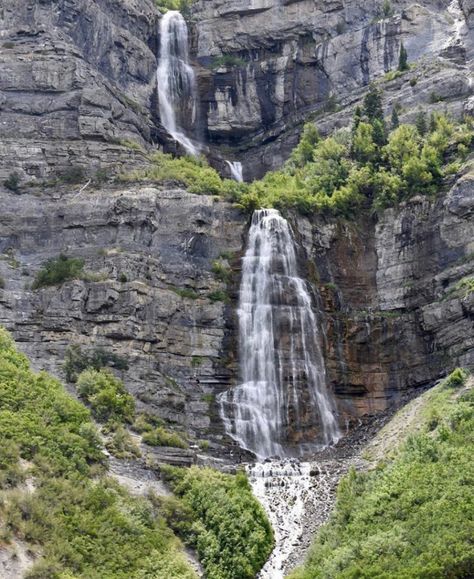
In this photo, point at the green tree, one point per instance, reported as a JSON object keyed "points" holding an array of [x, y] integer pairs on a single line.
{"points": [[363, 146], [303, 153], [106, 395], [395, 121], [403, 59], [373, 108], [421, 123]]}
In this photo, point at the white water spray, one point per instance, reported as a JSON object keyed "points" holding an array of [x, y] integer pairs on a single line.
{"points": [[177, 88], [236, 170], [282, 407]]}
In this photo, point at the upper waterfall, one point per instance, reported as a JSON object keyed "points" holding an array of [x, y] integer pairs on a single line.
{"points": [[282, 405], [236, 170], [177, 87]]}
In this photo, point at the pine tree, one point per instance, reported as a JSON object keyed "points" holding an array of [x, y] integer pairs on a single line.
{"points": [[395, 122], [373, 104], [403, 59], [357, 118], [421, 124]]}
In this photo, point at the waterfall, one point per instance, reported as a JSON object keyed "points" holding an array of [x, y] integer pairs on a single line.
{"points": [[177, 88], [236, 170], [282, 406]]}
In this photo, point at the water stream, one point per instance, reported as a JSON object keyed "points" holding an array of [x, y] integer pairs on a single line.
{"points": [[236, 170], [282, 406], [177, 87]]}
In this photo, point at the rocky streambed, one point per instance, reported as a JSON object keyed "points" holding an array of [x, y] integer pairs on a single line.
{"points": [[298, 498]]}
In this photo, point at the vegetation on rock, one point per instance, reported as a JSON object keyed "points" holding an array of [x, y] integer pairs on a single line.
{"points": [[411, 516], [59, 270], [218, 515], [83, 523], [368, 167]]}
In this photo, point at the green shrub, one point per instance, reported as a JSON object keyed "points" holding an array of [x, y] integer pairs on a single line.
{"points": [[106, 395], [13, 182], [161, 437], [456, 379], [121, 445], [58, 271], [186, 293], [72, 175], [229, 529], [2, 283], [228, 61], [218, 296], [221, 270], [146, 423], [75, 361]]}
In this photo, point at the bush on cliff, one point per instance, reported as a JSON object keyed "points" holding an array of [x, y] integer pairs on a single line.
{"points": [[411, 516], [59, 270]]}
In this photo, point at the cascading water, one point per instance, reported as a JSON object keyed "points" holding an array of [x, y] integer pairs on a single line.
{"points": [[177, 88], [282, 407], [236, 170]]}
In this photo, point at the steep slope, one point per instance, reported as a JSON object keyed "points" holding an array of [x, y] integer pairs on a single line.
{"points": [[398, 519]]}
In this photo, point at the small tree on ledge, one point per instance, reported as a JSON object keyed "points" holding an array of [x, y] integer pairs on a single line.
{"points": [[403, 59]]}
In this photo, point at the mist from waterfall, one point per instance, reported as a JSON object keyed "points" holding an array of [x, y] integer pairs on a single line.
{"points": [[177, 87], [282, 406]]}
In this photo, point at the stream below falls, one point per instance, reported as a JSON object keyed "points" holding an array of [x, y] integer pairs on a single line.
{"points": [[298, 498]]}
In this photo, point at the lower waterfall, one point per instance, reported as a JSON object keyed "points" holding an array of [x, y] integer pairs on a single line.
{"points": [[282, 406]]}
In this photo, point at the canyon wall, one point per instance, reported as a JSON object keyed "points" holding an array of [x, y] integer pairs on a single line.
{"points": [[78, 101]]}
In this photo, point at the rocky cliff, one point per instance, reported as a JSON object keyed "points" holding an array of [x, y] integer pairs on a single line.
{"points": [[272, 64], [78, 100], [387, 292], [78, 84]]}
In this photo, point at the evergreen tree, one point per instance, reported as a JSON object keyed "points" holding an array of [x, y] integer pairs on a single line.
{"points": [[357, 118], [432, 123], [373, 104], [403, 59], [421, 124], [395, 122]]}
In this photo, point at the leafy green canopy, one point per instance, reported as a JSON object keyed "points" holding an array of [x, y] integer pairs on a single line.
{"points": [[83, 523], [220, 517], [370, 167], [413, 516]]}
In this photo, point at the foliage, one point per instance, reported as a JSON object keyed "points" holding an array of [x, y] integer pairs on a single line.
{"points": [[84, 524], [121, 444], [368, 168], [222, 520], [218, 296], [186, 293], [59, 270], [221, 270], [162, 437], [195, 174], [397, 520], [403, 59], [12, 182], [228, 61], [182, 6], [2, 283], [106, 395], [75, 361]]}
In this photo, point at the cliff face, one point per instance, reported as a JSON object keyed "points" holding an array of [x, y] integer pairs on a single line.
{"points": [[150, 253], [78, 79], [274, 63], [78, 82], [384, 291], [78, 97]]}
